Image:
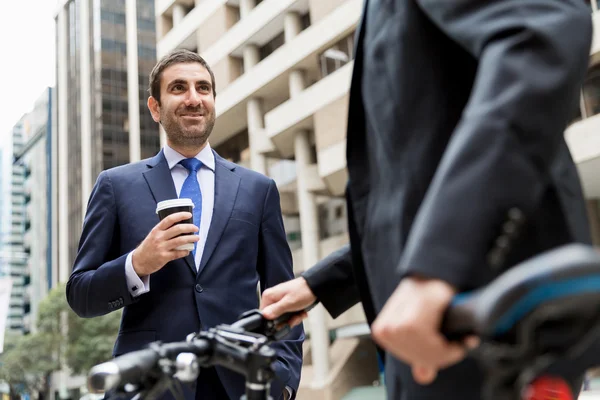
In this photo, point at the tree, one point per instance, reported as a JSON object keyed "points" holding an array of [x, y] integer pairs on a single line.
{"points": [[62, 338], [27, 363], [91, 340]]}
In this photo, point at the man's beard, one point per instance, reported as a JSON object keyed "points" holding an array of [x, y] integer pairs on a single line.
{"points": [[194, 137]]}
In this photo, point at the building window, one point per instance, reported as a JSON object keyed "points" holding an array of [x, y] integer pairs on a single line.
{"points": [[271, 46], [591, 92], [337, 55], [234, 148]]}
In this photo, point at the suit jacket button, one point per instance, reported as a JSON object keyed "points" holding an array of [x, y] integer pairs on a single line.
{"points": [[199, 288]]}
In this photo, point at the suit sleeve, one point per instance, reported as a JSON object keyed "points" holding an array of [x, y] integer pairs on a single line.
{"points": [[98, 284], [274, 267], [332, 282], [532, 56]]}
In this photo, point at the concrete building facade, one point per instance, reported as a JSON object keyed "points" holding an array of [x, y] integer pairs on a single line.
{"points": [[283, 71], [13, 257], [36, 157]]}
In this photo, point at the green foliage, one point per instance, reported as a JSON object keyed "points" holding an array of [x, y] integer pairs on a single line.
{"points": [[61, 335], [91, 340]]}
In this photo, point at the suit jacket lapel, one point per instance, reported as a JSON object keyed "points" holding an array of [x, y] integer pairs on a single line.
{"points": [[227, 183], [161, 185]]}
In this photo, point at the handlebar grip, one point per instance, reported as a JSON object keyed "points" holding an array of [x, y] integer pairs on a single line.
{"points": [[285, 318], [459, 319], [128, 368]]}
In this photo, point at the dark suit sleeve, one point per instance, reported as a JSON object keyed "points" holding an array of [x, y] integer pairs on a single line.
{"points": [[332, 282], [97, 284], [274, 267], [532, 56]]}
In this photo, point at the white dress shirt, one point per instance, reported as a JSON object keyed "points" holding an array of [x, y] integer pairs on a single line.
{"points": [[206, 179]]}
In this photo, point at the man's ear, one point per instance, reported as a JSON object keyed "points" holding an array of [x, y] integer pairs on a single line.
{"points": [[154, 108]]}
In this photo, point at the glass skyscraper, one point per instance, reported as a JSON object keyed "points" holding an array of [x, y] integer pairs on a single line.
{"points": [[108, 100]]}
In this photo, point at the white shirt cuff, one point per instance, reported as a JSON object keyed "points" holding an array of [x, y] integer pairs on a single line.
{"points": [[135, 284], [290, 391]]}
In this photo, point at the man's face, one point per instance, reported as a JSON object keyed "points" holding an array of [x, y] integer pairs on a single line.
{"points": [[187, 104]]}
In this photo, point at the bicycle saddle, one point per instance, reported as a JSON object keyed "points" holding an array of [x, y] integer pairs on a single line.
{"points": [[538, 313]]}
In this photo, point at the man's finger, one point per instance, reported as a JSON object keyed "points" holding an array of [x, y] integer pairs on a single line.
{"points": [[172, 219], [297, 320], [452, 354], [424, 375], [472, 342], [270, 296], [274, 310]]}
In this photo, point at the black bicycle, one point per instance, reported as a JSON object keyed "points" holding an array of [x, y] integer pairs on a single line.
{"points": [[242, 347]]}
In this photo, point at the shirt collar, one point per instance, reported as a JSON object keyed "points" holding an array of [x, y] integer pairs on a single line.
{"points": [[206, 156]]}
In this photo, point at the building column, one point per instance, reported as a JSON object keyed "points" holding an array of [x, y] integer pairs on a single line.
{"points": [[251, 55], [255, 116], [309, 228], [309, 218], [86, 106], [133, 90], [593, 209], [53, 204], [246, 6], [62, 154], [178, 14], [63, 168], [292, 25]]}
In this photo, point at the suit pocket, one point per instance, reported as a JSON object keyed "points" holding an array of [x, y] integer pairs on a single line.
{"points": [[132, 341]]}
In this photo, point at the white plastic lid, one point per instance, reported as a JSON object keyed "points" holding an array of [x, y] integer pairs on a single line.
{"points": [[183, 202]]}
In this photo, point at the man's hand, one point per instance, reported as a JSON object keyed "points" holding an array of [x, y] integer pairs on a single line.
{"points": [[290, 296], [409, 324], [158, 248]]}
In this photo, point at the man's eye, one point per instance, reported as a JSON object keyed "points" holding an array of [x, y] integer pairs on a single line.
{"points": [[178, 87], [205, 88]]}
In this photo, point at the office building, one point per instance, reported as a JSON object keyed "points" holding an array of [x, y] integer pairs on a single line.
{"points": [[102, 121], [35, 157], [13, 258]]}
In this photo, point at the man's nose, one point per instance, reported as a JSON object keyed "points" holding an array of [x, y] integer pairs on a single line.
{"points": [[193, 98]]}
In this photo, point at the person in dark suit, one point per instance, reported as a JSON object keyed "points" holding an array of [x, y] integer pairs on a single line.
{"points": [[458, 169], [128, 259]]}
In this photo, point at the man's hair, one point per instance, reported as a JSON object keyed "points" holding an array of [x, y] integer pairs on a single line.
{"points": [[178, 56]]}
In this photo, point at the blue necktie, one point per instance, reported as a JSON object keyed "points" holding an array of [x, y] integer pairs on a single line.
{"points": [[191, 189]]}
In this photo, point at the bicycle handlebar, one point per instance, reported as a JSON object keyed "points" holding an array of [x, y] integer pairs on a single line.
{"points": [[241, 347], [135, 367]]}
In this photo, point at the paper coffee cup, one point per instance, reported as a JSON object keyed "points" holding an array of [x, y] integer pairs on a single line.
{"points": [[168, 207]]}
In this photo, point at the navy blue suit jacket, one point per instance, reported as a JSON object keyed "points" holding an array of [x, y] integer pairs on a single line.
{"points": [[246, 243]]}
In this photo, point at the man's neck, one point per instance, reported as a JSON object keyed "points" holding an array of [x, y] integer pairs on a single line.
{"points": [[188, 152]]}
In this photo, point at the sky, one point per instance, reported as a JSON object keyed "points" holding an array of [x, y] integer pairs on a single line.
{"points": [[27, 57]]}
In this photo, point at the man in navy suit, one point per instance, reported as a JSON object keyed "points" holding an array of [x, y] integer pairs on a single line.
{"points": [[128, 258]]}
